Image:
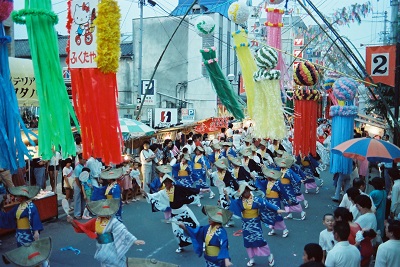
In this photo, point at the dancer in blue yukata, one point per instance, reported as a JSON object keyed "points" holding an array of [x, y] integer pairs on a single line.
{"points": [[24, 218], [250, 208], [113, 190], [212, 237], [182, 171], [200, 168]]}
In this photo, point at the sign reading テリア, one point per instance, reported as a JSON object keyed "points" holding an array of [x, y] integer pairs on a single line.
{"points": [[83, 45]]}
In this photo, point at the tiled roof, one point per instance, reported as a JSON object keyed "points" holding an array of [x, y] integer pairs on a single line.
{"points": [[213, 6], [22, 49]]}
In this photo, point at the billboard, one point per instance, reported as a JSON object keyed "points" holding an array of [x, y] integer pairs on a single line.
{"points": [[165, 117]]}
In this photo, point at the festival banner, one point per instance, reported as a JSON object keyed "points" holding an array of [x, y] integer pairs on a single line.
{"points": [[211, 125], [23, 79], [381, 64]]}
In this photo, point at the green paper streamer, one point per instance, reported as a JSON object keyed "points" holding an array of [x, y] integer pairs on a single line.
{"points": [[55, 107], [222, 86]]}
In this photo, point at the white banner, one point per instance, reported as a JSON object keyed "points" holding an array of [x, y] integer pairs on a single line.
{"points": [[83, 47]]}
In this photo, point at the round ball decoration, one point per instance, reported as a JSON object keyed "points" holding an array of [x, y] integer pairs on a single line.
{"points": [[264, 74], [328, 84], [6, 6], [204, 25], [275, 2], [266, 57], [345, 89], [305, 74], [306, 94], [238, 12]]}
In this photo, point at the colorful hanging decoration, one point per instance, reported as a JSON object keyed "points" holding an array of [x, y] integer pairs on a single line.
{"points": [[239, 12], [204, 25], [12, 148], [267, 112], [305, 122], [55, 107], [248, 65], [94, 51], [222, 86], [351, 14], [305, 74], [343, 116], [274, 33], [274, 2]]}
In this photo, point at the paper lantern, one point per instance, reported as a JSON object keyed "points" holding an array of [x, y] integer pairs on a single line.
{"points": [[6, 6], [345, 89], [266, 57], [204, 26], [275, 2], [238, 12], [305, 74]]}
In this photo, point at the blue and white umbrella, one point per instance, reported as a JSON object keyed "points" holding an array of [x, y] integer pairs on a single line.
{"points": [[133, 128]]}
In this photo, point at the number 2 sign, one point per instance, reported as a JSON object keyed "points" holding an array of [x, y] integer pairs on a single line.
{"points": [[381, 64]]}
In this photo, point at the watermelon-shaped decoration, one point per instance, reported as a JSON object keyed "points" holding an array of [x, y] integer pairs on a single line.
{"points": [[305, 74], [266, 57]]}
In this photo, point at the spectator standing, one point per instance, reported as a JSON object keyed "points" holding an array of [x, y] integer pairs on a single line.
{"points": [[367, 218], [68, 178], [146, 159], [395, 195], [53, 168], [39, 171], [388, 252], [343, 254], [312, 255], [79, 201], [326, 238], [379, 197], [229, 133]]}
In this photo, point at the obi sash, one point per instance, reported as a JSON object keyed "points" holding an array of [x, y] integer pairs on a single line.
{"points": [[285, 181], [212, 251], [23, 223], [109, 196], [249, 214], [183, 173], [272, 194], [105, 238], [197, 166]]}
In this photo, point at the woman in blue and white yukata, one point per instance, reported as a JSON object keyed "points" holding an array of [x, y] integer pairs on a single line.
{"points": [[113, 190], [212, 237], [289, 181], [250, 208], [274, 193], [200, 168], [24, 218], [182, 171], [157, 185]]}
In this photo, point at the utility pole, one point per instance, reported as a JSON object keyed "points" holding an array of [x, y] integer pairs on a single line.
{"points": [[140, 62], [395, 40], [385, 39]]}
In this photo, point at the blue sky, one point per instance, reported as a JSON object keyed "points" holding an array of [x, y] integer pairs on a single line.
{"points": [[366, 33]]}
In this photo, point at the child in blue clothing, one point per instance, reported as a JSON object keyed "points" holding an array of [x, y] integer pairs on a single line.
{"points": [[87, 189]]}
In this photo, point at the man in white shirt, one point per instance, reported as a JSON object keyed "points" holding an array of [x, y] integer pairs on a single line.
{"points": [[343, 254], [388, 252], [229, 133], [395, 206], [146, 159], [367, 218]]}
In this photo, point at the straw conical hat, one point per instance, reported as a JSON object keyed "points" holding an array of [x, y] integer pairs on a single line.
{"points": [[104, 207], [24, 191], [217, 214], [164, 168], [235, 161], [246, 152], [111, 174], [284, 162], [221, 164], [242, 187], [29, 255], [165, 177], [271, 173]]}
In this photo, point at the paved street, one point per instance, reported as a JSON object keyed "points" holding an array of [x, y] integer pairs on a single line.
{"points": [[161, 245]]}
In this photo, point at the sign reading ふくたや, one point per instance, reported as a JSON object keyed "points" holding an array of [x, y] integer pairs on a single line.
{"points": [[165, 117]]}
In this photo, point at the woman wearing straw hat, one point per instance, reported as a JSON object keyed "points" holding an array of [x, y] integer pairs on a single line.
{"points": [[177, 197], [212, 236], [249, 209], [182, 171], [274, 192], [34, 254], [227, 150], [113, 239], [113, 190], [157, 185], [249, 164], [23, 217], [200, 167], [265, 153], [288, 179], [213, 157], [239, 172]]}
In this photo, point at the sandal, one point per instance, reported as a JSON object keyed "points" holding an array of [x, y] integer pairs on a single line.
{"points": [[271, 260], [250, 263], [285, 233], [272, 232], [179, 250]]}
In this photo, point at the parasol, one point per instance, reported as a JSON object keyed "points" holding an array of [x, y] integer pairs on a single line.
{"points": [[133, 128]]}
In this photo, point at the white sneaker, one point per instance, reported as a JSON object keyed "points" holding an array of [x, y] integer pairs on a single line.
{"points": [[285, 233], [271, 260]]}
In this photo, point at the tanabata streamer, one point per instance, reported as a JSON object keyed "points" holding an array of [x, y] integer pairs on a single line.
{"points": [[267, 112], [246, 61], [222, 86], [12, 148], [95, 89], [329, 92], [305, 122], [55, 107], [343, 116]]}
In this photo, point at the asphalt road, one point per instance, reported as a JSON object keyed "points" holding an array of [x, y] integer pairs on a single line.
{"points": [[161, 245]]}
